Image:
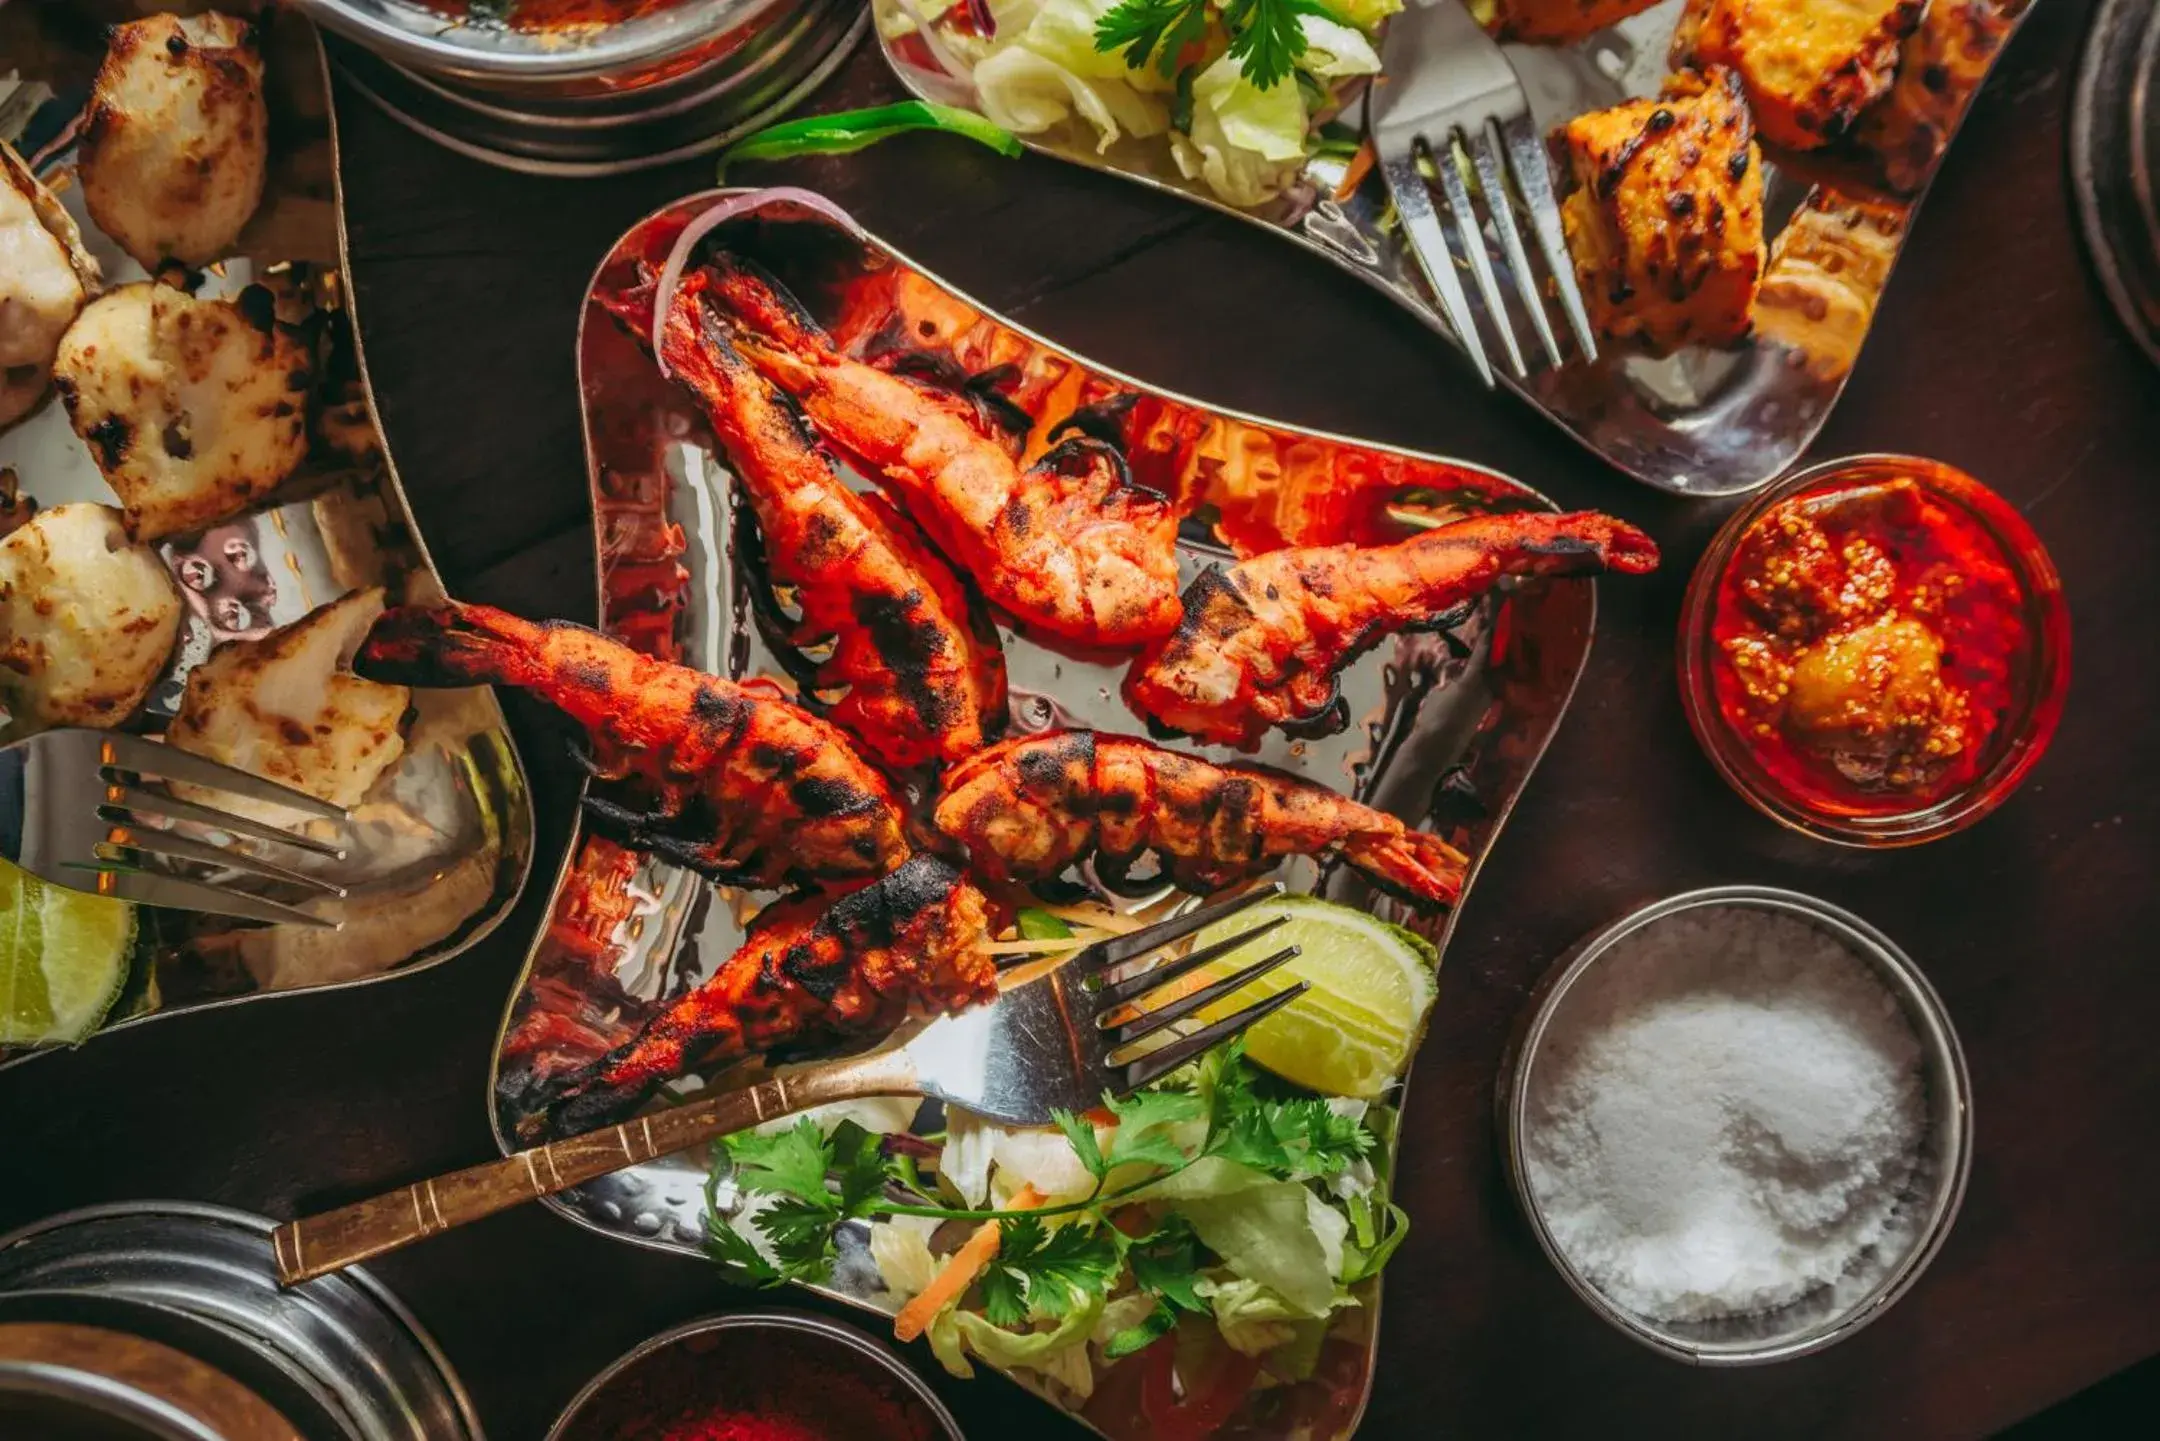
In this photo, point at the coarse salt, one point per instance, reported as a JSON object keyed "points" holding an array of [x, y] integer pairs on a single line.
{"points": [[1724, 1116]]}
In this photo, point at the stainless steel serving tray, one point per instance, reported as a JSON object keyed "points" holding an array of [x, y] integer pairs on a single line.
{"points": [[445, 840], [1447, 727], [1701, 422]]}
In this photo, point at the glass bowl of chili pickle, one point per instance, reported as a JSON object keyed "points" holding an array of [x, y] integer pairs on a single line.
{"points": [[1875, 651]]}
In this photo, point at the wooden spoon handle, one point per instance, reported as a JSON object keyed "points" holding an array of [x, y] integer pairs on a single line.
{"points": [[317, 1245]]}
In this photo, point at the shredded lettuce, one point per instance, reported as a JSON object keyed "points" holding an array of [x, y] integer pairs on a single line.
{"points": [[1265, 1234], [1028, 93], [1365, 14], [900, 1249], [1255, 1320], [956, 1334], [1335, 51]]}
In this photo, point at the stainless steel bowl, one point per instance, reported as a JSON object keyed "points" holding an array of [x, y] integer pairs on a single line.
{"points": [[747, 1322], [1831, 1313], [676, 82]]}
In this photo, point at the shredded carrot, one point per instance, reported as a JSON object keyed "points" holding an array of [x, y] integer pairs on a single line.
{"points": [[959, 1271], [1354, 175]]}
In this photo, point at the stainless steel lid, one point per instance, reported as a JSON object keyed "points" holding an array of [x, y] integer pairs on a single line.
{"points": [[340, 1352]]}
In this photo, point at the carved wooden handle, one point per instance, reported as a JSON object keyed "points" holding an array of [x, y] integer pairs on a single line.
{"points": [[317, 1245]]}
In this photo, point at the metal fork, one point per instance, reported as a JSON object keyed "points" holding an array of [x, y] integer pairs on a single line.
{"points": [[1058, 1041], [1446, 84], [77, 810]]}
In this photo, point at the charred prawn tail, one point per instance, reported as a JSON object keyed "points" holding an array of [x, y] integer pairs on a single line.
{"points": [[1586, 542], [1417, 866], [448, 645], [760, 301]]}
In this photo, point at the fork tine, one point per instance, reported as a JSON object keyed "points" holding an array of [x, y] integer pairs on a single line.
{"points": [[144, 757], [1149, 1022], [180, 894], [1120, 949], [150, 803], [1485, 154], [1413, 202], [1526, 163], [1157, 1064], [176, 847], [1116, 993], [1472, 236]]}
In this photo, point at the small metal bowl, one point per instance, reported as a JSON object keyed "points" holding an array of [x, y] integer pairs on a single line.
{"points": [[1831, 1313], [713, 1333]]}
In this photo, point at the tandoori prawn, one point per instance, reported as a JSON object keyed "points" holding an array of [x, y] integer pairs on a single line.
{"points": [[1070, 545], [738, 784], [1262, 643], [1031, 806], [812, 971]]}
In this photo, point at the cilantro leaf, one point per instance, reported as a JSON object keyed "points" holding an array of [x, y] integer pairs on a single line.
{"points": [[793, 1162], [1054, 1269], [731, 1247], [858, 1157], [800, 1233], [1080, 1132], [1266, 38], [1151, 29], [1140, 1138], [1317, 1140], [1159, 1323], [1166, 1263]]}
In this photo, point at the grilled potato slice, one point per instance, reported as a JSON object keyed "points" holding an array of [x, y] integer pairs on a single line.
{"points": [[1811, 67], [1665, 219], [176, 140], [1557, 22], [87, 619], [287, 707], [45, 276], [193, 408], [1940, 66]]}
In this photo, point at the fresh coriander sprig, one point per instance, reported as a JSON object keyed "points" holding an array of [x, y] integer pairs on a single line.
{"points": [[1265, 36]]}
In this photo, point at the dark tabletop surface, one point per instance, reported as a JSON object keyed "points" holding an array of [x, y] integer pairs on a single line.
{"points": [[1993, 351]]}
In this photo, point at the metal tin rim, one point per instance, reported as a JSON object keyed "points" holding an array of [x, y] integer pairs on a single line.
{"points": [[1931, 1022], [650, 40], [360, 1277], [803, 1321], [111, 1399], [2050, 685]]}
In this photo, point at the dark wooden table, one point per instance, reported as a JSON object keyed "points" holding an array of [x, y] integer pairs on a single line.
{"points": [[1993, 351]]}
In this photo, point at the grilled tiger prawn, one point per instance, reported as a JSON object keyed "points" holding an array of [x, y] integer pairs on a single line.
{"points": [[1028, 808], [742, 786], [1070, 544], [811, 972], [1262, 643], [923, 675]]}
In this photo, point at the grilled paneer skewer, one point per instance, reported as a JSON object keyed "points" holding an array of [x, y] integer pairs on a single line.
{"points": [[1069, 545], [737, 784], [920, 667], [1027, 809], [811, 972], [1811, 67], [1262, 642], [1666, 218]]}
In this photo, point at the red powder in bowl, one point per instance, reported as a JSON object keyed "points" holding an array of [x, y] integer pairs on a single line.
{"points": [[755, 1384]]}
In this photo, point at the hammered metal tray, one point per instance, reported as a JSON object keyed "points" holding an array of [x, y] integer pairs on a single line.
{"points": [[442, 844], [1703, 421], [1447, 727]]}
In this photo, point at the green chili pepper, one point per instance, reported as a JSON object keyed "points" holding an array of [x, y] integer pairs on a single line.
{"points": [[848, 131]]}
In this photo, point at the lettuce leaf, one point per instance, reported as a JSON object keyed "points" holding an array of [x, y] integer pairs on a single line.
{"points": [[1265, 1234], [1028, 93], [957, 1334]]}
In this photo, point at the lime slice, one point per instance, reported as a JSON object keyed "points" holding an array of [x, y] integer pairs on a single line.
{"points": [[63, 959], [1372, 988]]}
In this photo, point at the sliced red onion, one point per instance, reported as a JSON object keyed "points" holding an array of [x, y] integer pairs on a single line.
{"points": [[984, 19], [956, 69], [720, 214]]}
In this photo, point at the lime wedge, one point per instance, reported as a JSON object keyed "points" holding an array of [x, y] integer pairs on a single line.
{"points": [[63, 959], [1372, 988]]}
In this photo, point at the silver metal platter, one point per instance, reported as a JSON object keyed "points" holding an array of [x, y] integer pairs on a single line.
{"points": [[440, 847], [1701, 422], [1445, 731], [340, 1357]]}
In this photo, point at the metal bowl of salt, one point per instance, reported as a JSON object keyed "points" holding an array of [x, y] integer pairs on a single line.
{"points": [[1628, 1278]]}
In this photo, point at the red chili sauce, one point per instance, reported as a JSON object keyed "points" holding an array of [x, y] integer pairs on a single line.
{"points": [[548, 14], [1869, 642], [768, 1386]]}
